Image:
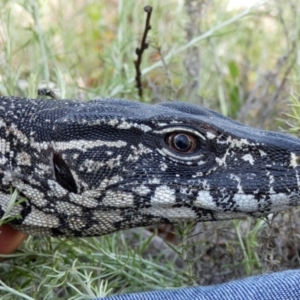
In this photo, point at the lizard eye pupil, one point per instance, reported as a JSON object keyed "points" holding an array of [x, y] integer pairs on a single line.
{"points": [[182, 142]]}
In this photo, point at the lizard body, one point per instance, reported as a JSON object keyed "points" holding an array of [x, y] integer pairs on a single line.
{"points": [[91, 168]]}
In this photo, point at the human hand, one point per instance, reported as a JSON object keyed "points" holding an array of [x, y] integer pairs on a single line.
{"points": [[10, 239]]}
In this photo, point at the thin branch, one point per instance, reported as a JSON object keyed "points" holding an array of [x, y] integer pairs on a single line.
{"points": [[139, 51], [176, 50]]}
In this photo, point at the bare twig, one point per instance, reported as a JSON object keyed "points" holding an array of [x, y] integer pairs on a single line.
{"points": [[140, 51]]}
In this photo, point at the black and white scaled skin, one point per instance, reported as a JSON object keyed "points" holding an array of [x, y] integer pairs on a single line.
{"points": [[91, 168]]}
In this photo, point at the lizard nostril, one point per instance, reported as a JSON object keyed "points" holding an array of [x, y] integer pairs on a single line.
{"points": [[63, 174]]}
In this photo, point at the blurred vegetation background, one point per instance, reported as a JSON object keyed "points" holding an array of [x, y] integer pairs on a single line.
{"points": [[240, 58]]}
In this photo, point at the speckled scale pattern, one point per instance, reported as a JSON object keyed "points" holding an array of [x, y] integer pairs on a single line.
{"points": [[124, 174]]}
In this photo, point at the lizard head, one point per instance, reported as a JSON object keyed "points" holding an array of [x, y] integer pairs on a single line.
{"points": [[97, 167]]}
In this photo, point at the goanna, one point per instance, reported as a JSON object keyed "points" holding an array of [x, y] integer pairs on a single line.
{"points": [[90, 168]]}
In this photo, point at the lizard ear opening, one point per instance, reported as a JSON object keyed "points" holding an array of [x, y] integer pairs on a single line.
{"points": [[63, 174]]}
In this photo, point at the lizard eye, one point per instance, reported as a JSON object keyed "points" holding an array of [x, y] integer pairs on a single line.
{"points": [[181, 142], [63, 174]]}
